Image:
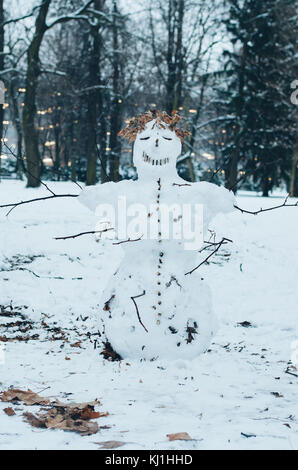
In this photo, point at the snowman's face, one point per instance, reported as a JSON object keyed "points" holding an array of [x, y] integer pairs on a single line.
{"points": [[156, 148]]}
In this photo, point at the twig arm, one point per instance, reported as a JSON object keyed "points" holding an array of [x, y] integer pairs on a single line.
{"points": [[137, 309]]}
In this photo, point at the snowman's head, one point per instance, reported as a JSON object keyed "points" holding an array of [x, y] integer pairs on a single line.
{"points": [[156, 148], [157, 142]]}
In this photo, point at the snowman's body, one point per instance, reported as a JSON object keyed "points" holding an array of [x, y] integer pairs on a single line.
{"points": [[151, 308]]}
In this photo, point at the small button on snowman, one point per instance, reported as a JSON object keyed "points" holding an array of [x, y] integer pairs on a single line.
{"points": [[151, 308]]}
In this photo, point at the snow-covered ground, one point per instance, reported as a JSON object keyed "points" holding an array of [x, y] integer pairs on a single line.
{"points": [[239, 395]]}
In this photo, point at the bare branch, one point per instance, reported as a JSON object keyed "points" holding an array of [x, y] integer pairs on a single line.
{"points": [[284, 204], [45, 198], [55, 72], [208, 244], [27, 171], [92, 232], [16, 20], [219, 244], [3, 72], [128, 240], [138, 313], [78, 14], [101, 15]]}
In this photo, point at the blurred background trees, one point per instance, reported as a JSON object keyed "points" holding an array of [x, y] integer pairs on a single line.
{"points": [[75, 71]]}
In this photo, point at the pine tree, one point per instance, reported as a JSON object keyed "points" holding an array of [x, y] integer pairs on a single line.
{"points": [[262, 136]]}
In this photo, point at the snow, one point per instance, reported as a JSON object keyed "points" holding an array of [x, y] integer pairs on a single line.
{"points": [[239, 388]]}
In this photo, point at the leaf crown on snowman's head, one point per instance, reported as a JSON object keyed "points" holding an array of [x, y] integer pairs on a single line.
{"points": [[138, 124]]}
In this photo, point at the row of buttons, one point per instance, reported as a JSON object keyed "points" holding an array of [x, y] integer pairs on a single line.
{"points": [[160, 254]]}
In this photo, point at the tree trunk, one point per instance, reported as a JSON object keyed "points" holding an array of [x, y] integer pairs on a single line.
{"points": [[265, 187], [1, 68], [233, 166], [29, 111], [192, 174], [95, 99], [294, 175], [115, 145], [179, 57], [103, 143], [16, 120], [174, 54], [57, 161], [92, 141]]}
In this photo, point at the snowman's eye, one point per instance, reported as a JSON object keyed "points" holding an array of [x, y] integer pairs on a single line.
{"points": [[144, 138], [167, 138]]}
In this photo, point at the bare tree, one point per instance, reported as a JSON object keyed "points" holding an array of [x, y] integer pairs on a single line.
{"points": [[94, 97], [116, 100], [33, 72]]}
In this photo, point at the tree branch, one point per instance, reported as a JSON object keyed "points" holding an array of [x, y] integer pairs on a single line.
{"points": [[284, 204], [55, 72], [15, 20], [128, 240], [219, 244], [72, 16], [138, 313], [92, 232], [45, 198]]}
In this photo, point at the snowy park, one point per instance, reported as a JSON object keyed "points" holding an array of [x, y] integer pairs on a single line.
{"points": [[148, 227], [241, 394]]}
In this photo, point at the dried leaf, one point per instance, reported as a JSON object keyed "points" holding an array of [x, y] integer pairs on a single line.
{"points": [[35, 421], [9, 411], [26, 396], [110, 444], [80, 406], [85, 428], [85, 413], [137, 124], [179, 436], [68, 417]]}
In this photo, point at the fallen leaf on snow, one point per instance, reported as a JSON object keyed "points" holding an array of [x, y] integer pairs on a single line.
{"points": [[33, 420], [80, 406], [9, 411], [68, 418], [179, 436], [26, 396], [110, 444]]}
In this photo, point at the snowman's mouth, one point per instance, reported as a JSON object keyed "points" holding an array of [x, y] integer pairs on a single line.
{"points": [[152, 161]]}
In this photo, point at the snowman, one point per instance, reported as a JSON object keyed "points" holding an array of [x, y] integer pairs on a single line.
{"points": [[152, 308]]}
